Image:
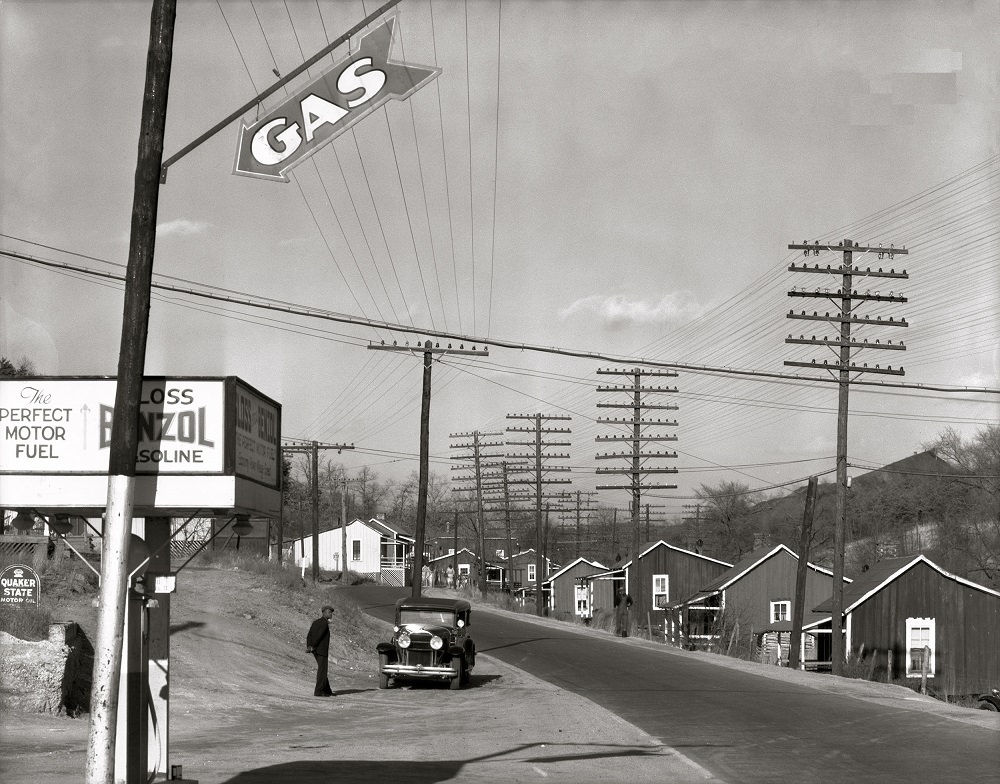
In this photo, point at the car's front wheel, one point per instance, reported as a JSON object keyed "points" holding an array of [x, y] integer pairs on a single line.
{"points": [[456, 683], [383, 677]]}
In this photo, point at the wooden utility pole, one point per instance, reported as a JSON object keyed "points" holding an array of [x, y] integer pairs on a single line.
{"points": [[574, 513], [639, 431], [429, 349], [343, 533], [498, 497], [801, 572], [480, 462], [695, 543], [539, 477], [109, 642], [312, 448], [845, 297]]}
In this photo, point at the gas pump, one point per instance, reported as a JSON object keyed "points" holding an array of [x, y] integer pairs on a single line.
{"points": [[142, 748]]}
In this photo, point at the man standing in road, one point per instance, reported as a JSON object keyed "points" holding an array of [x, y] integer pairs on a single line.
{"points": [[318, 644], [622, 602]]}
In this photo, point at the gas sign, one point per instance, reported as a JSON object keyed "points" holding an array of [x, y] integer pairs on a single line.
{"points": [[326, 107]]}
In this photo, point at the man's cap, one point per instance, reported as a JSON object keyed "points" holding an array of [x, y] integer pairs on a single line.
{"points": [[327, 607]]}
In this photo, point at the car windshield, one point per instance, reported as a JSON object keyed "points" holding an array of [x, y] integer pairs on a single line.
{"points": [[413, 615]]}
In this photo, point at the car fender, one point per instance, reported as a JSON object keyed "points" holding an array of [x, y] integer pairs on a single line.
{"points": [[990, 702], [386, 649]]}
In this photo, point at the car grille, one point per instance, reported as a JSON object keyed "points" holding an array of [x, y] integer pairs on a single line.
{"points": [[426, 658]]}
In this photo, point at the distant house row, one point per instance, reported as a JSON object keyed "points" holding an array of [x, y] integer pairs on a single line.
{"points": [[892, 613], [895, 612]]}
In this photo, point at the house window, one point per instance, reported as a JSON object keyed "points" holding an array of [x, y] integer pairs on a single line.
{"points": [[781, 611], [582, 601], [531, 573], [661, 591], [919, 636], [463, 569], [355, 549]]}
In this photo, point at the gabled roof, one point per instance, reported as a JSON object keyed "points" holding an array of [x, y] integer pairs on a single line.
{"points": [[566, 568], [449, 556], [385, 529], [617, 573], [887, 571], [649, 546], [529, 551], [753, 561]]}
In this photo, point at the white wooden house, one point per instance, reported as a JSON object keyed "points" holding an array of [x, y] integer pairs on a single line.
{"points": [[375, 549]]}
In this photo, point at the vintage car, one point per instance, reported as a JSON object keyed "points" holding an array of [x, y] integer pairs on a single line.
{"points": [[430, 641]]}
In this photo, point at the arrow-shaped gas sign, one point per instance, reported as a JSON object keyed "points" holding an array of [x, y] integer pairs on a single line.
{"points": [[328, 106]]}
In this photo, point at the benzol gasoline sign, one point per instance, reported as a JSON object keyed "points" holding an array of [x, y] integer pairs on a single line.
{"points": [[63, 425], [328, 106], [19, 585]]}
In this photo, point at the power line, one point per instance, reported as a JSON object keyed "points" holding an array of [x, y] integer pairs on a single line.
{"points": [[244, 299]]}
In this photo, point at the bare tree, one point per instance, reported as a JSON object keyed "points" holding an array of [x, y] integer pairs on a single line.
{"points": [[728, 514], [968, 531]]}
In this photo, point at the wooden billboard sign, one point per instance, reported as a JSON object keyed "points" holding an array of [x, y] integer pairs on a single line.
{"points": [[204, 443]]}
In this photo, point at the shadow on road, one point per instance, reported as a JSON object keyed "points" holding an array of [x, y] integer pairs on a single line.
{"points": [[418, 771], [514, 644], [183, 627]]}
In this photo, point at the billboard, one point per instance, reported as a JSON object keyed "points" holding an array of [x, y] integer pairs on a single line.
{"points": [[63, 425], [203, 442]]}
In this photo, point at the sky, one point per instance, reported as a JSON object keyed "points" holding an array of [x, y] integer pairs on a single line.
{"points": [[612, 182]]}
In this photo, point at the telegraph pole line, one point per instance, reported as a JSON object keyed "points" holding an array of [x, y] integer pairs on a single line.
{"points": [[846, 299], [499, 482], [477, 456], [110, 639], [429, 350], [639, 432], [697, 527], [575, 512], [312, 448], [540, 470]]}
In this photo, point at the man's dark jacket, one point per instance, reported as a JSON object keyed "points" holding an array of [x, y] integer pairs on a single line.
{"points": [[319, 637]]}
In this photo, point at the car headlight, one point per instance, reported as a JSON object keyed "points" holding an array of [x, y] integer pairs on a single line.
{"points": [[403, 640], [436, 643]]}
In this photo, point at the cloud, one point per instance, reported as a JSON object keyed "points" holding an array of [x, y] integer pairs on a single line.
{"points": [[617, 310], [181, 228]]}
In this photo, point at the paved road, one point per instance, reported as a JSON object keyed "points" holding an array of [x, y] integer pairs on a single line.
{"points": [[738, 725]]}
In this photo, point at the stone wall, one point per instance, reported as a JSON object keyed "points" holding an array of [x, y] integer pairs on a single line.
{"points": [[48, 676]]}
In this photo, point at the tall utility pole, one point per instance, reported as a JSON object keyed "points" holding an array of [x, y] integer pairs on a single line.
{"points": [[846, 299], [429, 350], [695, 542], [540, 469], [344, 578], [101, 747], [638, 433], [479, 461], [801, 572], [580, 502], [499, 497], [312, 448]]}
